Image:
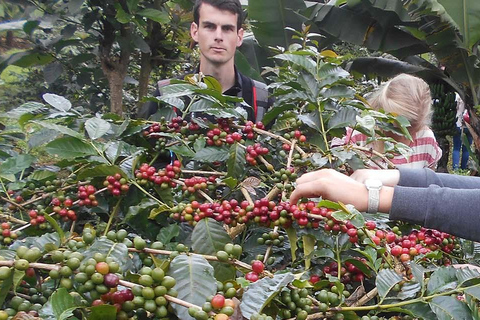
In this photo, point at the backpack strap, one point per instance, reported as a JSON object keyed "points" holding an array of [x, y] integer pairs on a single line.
{"points": [[260, 99]]}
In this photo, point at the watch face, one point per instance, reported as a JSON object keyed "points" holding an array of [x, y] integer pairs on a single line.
{"points": [[372, 183]]}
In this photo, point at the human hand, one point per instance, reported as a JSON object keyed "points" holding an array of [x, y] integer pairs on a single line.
{"points": [[332, 185], [388, 177]]}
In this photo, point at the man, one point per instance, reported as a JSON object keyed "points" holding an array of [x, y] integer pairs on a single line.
{"points": [[217, 28]]}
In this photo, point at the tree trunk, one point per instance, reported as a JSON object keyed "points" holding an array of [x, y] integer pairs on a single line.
{"points": [[9, 39], [145, 70], [444, 144]]}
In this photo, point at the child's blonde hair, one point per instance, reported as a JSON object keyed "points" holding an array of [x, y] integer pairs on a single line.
{"points": [[408, 96]]}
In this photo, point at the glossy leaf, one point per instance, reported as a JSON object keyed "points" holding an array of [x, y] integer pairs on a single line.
{"points": [[442, 279], [102, 170], [194, 281], [166, 234], [26, 108], [70, 148], [39, 242], [96, 128], [138, 217], [236, 161], [386, 279], [52, 72], [62, 304], [269, 19], [59, 128], [308, 247], [450, 308], [209, 236], [155, 15], [260, 293], [58, 102], [212, 154], [103, 312], [16, 164]]}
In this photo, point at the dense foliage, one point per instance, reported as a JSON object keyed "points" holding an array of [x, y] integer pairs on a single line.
{"points": [[112, 226]]}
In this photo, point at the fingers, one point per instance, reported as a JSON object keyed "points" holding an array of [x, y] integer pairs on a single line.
{"points": [[311, 189]]}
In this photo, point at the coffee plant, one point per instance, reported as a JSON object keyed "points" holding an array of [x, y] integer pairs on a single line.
{"points": [[187, 216]]}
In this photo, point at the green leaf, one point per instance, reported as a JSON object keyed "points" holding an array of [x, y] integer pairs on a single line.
{"points": [[194, 281], [26, 108], [58, 102], [160, 209], [212, 154], [464, 15], [102, 170], [70, 148], [360, 265], [209, 236], [17, 278], [386, 279], [39, 242], [323, 253], [41, 137], [63, 304], [43, 175], [418, 310], [155, 15], [450, 308], [343, 118], [213, 83], [52, 72], [309, 242], [418, 273], [122, 16], [260, 293], [5, 287], [59, 128], [138, 217], [270, 18], [475, 291], [56, 227], [466, 274], [96, 127], [292, 238], [409, 290], [115, 250], [441, 280], [182, 150], [236, 161], [166, 234], [30, 26], [16, 164], [103, 312]]}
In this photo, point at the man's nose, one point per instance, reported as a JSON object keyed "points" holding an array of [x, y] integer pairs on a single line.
{"points": [[218, 34]]}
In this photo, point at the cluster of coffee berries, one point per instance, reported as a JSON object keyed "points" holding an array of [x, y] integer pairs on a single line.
{"points": [[8, 236], [283, 177], [86, 195], [330, 298], [255, 151], [24, 308], [35, 217], [348, 273], [257, 269], [248, 129], [229, 251], [296, 302], [151, 291], [147, 173], [195, 183], [224, 308], [421, 241], [64, 212], [116, 184], [177, 124], [228, 211], [272, 238]]}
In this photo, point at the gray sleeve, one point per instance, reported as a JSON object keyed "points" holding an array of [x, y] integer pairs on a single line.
{"points": [[423, 178], [455, 211]]}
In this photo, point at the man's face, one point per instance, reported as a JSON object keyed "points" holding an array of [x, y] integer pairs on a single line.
{"points": [[216, 34]]}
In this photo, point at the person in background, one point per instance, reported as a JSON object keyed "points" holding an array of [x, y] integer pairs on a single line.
{"points": [[217, 28], [410, 97], [441, 201], [458, 146]]}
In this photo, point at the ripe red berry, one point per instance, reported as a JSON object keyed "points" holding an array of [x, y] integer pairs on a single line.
{"points": [[314, 278], [251, 276], [257, 266], [218, 301]]}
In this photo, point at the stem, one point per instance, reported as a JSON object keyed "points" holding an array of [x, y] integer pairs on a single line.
{"points": [[339, 261], [207, 173], [13, 219], [5, 189], [269, 249], [378, 154], [195, 98], [100, 153], [110, 219], [324, 133], [146, 192]]}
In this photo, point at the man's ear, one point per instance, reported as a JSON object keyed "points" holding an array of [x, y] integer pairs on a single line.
{"points": [[239, 37], [194, 31]]}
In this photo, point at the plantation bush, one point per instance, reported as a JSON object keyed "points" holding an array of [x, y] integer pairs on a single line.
{"points": [[187, 217]]}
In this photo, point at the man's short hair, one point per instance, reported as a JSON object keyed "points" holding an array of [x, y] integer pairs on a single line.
{"points": [[232, 6]]}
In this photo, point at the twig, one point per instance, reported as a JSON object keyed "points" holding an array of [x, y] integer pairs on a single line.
{"points": [[378, 154], [367, 297], [212, 173], [13, 219], [246, 194]]}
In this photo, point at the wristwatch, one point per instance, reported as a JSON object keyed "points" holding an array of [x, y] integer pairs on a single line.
{"points": [[373, 187]]}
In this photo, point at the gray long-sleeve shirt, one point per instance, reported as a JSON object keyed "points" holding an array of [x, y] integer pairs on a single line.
{"points": [[446, 202]]}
